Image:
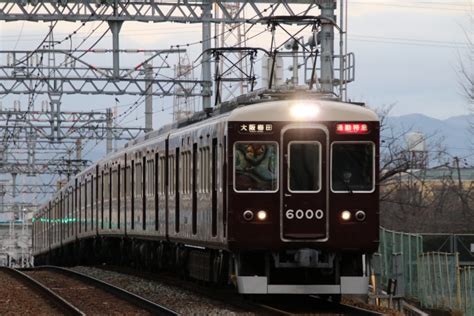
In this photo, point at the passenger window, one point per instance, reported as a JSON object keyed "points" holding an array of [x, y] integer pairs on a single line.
{"points": [[255, 166], [162, 175], [150, 181], [171, 175], [138, 179]]}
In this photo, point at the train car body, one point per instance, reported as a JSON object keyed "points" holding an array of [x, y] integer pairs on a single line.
{"points": [[275, 197]]}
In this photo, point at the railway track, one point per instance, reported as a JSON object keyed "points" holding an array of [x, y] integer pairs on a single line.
{"points": [[311, 305], [225, 296], [84, 295], [20, 294], [260, 305]]}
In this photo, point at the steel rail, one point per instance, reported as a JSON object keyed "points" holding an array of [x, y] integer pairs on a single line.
{"points": [[132, 298], [45, 292], [291, 304]]}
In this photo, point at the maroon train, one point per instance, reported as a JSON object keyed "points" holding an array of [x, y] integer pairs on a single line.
{"points": [[278, 196]]}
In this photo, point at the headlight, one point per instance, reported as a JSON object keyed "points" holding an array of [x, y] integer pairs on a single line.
{"points": [[262, 215], [304, 111], [248, 215], [360, 215], [346, 215]]}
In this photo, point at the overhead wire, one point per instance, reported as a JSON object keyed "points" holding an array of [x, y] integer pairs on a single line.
{"points": [[408, 6], [32, 96], [137, 103]]}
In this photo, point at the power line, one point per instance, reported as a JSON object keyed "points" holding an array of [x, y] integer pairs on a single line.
{"points": [[409, 6], [409, 43]]}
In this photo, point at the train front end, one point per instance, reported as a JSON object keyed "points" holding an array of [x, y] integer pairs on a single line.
{"points": [[303, 211]]}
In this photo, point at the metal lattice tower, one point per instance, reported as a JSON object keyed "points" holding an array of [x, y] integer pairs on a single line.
{"points": [[232, 35], [30, 137], [183, 106], [76, 76]]}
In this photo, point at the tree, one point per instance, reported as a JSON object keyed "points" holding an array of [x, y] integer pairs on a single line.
{"points": [[466, 68], [417, 199]]}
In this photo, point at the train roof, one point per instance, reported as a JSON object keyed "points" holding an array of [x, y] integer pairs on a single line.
{"points": [[320, 110], [265, 105]]}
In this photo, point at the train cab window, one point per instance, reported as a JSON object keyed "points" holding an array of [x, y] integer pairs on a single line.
{"points": [[304, 166], [255, 167], [353, 167]]}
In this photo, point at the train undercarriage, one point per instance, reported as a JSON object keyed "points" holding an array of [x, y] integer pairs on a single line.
{"points": [[301, 271]]}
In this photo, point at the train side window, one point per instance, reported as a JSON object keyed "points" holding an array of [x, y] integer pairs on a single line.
{"points": [[81, 205], [162, 175], [201, 172], [186, 172], [68, 213], [92, 201], [182, 172], [353, 167], [114, 199], [106, 186], [155, 189], [101, 200], [114, 184], [150, 181], [171, 175], [304, 172], [177, 201], [207, 164], [84, 205], [138, 179], [204, 170], [106, 190], [256, 167], [87, 203], [128, 186], [194, 189]]}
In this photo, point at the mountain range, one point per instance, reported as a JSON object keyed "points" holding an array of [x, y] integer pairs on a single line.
{"points": [[455, 134]]}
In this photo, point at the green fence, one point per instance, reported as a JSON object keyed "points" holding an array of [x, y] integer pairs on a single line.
{"points": [[466, 276], [451, 243], [438, 282], [398, 260], [436, 279]]}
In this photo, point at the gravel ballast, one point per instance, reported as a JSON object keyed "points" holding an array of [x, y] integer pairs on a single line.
{"points": [[180, 300]]}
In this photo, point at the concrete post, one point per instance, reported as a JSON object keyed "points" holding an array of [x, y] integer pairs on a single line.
{"points": [[148, 98], [206, 44], [115, 29], [327, 46]]}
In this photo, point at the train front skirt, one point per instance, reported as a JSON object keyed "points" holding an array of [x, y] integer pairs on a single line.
{"points": [[259, 285]]}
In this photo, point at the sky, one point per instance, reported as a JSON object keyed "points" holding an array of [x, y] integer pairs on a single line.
{"points": [[407, 55]]}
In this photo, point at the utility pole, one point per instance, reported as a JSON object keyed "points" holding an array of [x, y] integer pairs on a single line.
{"points": [[148, 97], [327, 46], [115, 27], [206, 64], [109, 122], [232, 35]]}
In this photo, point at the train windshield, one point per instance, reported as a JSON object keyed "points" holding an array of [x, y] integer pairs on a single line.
{"points": [[255, 166], [352, 167], [305, 168]]}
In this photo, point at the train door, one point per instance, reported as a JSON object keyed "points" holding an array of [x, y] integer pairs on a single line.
{"points": [[304, 181]]}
